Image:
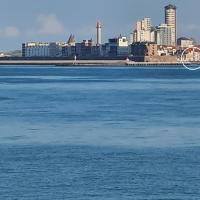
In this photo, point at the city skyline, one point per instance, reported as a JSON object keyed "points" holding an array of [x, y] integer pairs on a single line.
{"points": [[48, 21]]}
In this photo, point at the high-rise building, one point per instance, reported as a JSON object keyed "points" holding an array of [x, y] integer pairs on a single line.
{"points": [[164, 35], [142, 32], [170, 20], [99, 27], [146, 24]]}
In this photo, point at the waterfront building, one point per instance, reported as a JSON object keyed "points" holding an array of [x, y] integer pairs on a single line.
{"points": [[111, 47], [71, 41], [39, 49], [33, 49], [116, 47], [191, 55], [170, 20], [84, 49], [123, 47], [185, 42], [140, 50], [69, 50]]}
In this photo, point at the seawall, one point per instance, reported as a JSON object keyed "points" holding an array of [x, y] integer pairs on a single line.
{"points": [[89, 63]]}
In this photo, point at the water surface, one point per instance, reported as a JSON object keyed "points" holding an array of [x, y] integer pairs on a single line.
{"points": [[99, 133]]}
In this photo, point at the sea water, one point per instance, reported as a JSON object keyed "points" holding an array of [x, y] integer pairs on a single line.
{"points": [[99, 133]]}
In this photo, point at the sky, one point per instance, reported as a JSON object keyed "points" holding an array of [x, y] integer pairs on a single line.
{"points": [[54, 20]]}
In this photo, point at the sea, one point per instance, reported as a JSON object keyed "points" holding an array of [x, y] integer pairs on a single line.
{"points": [[99, 133]]}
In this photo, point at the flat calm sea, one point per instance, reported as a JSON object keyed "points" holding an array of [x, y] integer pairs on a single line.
{"points": [[99, 133]]}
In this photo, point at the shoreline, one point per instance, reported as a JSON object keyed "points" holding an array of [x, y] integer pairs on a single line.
{"points": [[72, 63]]}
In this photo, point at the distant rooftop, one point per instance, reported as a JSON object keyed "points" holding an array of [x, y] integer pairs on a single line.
{"points": [[71, 39], [170, 6], [184, 38]]}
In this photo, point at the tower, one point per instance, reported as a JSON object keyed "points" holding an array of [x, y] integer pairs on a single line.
{"points": [[170, 20], [98, 27]]}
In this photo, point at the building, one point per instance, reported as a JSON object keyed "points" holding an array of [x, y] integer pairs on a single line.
{"points": [[69, 50], [39, 49], [170, 20], [33, 49], [123, 47], [116, 47], [84, 49], [185, 42], [191, 55], [163, 35], [166, 50], [143, 31], [71, 41], [140, 50]]}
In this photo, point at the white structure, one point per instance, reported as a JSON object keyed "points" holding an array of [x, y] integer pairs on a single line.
{"points": [[184, 42], [164, 35], [123, 47], [99, 27], [33, 49], [170, 20], [142, 32], [39, 49]]}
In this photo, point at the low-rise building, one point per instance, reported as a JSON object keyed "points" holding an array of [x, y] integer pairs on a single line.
{"points": [[166, 50], [140, 50], [84, 49], [184, 42], [116, 47], [191, 55], [39, 49]]}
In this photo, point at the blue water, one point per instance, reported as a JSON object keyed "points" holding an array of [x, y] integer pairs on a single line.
{"points": [[99, 133]]}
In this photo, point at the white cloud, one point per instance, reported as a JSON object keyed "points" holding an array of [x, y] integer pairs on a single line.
{"points": [[9, 31], [49, 25]]}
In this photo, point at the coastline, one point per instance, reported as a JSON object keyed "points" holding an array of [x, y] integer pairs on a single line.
{"points": [[87, 63]]}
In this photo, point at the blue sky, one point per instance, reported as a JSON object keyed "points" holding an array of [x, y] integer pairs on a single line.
{"points": [[54, 20]]}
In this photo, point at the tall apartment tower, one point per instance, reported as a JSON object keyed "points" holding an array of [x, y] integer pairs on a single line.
{"points": [[170, 20], [142, 32], [99, 27]]}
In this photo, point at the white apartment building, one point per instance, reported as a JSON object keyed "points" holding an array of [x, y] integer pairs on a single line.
{"points": [[39, 49], [184, 42], [164, 35], [143, 32]]}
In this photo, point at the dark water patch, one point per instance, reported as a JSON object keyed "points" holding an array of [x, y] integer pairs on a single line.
{"points": [[6, 98], [15, 138]]}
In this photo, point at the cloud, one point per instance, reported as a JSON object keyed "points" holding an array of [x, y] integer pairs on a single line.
{"points": [[9, 31], [49, 25]]}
